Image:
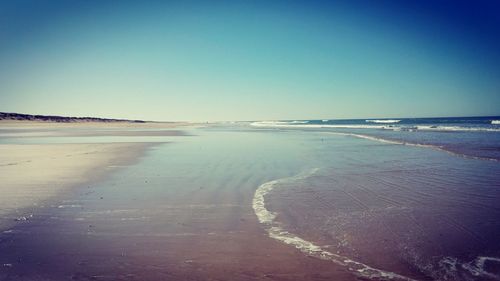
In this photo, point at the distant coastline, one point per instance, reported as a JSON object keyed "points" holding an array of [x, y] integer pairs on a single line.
{"points": [[60, 119]]}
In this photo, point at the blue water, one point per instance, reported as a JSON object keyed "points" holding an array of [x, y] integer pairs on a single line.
{"points": [[473, 137], [463, 122]]}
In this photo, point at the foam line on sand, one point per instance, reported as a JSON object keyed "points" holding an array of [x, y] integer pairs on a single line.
{"points": [[276, 231]]}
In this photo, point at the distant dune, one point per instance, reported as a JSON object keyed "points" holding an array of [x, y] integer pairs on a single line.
{"points": [[61, 119]]}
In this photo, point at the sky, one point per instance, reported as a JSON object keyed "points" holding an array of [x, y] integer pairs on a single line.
{"points": [[250, 60]]}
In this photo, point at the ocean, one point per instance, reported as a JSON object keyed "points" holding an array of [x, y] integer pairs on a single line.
{"points": [[475, 137], [393, 199]]}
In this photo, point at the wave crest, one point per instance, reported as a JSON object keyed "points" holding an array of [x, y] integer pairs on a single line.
{"points": [[302, 125], [383, 121]]}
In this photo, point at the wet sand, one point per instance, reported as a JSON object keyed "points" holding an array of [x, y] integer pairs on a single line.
{"points": [[183, 212], [33, 173], [202, 247], [27, 129]]}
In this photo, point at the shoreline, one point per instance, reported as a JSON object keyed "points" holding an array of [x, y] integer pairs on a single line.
{"points": [[277, 232], [163, 219], [190, 209], [400, 142]]}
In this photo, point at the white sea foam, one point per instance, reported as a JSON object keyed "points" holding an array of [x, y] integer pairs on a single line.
{"points": [[280, 124], [275, 231], [476, 267], [373, 138], [495, 122], [457, 128], [69, 206], [383, 121], [271, 123], [325, 120], [291, 124], [451, 268]]}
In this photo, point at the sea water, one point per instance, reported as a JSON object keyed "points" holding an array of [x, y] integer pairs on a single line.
{"points": [[475, 137], [417, 199]]}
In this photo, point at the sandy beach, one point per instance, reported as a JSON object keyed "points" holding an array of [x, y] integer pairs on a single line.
{"points": [[179, 203], [33, 173], [249, 140]]}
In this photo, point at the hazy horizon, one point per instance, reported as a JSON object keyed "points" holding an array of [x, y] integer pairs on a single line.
{"points": [[235, 61]]}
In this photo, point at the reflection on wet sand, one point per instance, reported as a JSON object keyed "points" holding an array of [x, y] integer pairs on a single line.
{"points": [[186, 211]]}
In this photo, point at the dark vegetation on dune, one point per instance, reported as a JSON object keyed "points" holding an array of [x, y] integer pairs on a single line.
{"points": [[62, 119]]}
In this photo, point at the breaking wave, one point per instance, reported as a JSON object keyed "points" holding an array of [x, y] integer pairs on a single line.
{"points": [[383, 121], [280, 124], [457, 129], [377, 125]]}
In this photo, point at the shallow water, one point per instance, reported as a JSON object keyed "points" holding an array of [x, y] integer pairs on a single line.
{"points": [[471, 137], [402, 209], [407, 211], [168, 216]]}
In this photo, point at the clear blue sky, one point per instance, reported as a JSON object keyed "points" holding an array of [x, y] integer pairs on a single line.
{"points": [[250, 60]]}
